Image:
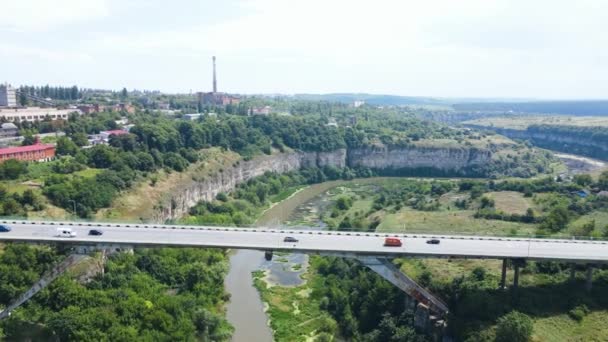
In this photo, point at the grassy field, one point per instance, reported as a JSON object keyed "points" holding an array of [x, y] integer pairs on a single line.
{"points": [[522, 122], [408, 220], [599, 217], [510, 201]]}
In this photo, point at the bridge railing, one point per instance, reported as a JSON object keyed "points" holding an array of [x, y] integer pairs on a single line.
{"points": [[393, 230]]}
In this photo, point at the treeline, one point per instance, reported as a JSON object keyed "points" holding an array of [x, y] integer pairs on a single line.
{"points": [[377, 312], [53, 92], [154, 295]]}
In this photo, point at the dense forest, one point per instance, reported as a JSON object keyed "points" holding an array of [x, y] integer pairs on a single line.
{"points": [[150, 295]]}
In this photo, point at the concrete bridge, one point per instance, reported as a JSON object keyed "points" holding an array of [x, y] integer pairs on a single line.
{"points": [[367, 247]]}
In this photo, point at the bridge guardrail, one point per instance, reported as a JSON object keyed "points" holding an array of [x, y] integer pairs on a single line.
{"points": [[310, 230]]}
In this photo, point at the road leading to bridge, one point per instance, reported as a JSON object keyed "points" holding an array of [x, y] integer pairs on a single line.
{"points": [[309, 241]]}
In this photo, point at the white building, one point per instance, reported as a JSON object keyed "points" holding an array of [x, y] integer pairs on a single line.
{"points": [[358, 104], [192, 117], [8, 96], [36, 114]]}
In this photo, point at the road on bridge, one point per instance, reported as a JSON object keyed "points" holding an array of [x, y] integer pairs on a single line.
{"points": [[311, 241]]}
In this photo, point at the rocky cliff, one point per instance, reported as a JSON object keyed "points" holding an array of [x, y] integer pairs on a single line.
{"points": [[445, 159], [379, 158], [557, 140], [186, 196]]}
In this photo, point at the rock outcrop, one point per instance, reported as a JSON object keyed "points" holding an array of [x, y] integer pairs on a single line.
{"points": [[379, 158]]}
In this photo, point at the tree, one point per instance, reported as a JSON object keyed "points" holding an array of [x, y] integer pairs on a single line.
{"points": [[603, 181], [28, 139], [65, 147], [583, 179], [80, 139], [514, 327], [124, 94], [12, 169]]}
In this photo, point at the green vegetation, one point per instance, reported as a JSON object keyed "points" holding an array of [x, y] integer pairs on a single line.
{"points": [[162, 294], [522, 122]]}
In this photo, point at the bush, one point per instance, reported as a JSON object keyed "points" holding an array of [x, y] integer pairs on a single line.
{"points": [[579, 312], [514, 327]]}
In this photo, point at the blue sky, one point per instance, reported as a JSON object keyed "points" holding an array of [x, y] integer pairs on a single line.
{"points": [[442, 48]]}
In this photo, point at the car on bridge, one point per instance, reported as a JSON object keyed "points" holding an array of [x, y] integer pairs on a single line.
{"points": [[65, 232], [95, 232], [392, 242], [433, 241], [5, 229], [290, 239]]}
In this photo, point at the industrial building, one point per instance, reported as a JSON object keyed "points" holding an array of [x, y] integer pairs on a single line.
{"points": [[216, 98], [35, 114], [8, 96], [37, 152]]}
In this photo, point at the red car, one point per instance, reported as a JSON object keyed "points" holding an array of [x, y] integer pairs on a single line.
{"points": [[392, 242]]}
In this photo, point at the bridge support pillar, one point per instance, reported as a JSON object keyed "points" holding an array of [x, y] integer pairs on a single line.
{"points": [[387, 270], [503, 275], [589, 278], [516, 278]]}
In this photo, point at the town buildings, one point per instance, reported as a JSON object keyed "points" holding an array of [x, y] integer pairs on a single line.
{"points": [[37, 152], [8, 96], [36, 114]]}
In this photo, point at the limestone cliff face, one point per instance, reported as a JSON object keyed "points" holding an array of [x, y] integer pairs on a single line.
{"points": [[446, 159], [188, 195], [379, 158], [588, 147]]}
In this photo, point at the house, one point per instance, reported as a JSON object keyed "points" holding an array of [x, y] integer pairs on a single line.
{"points": [[602, 193], [8, 129], [105, 135], [192, 117], [260, 110], [581, 193], [37, 152]]}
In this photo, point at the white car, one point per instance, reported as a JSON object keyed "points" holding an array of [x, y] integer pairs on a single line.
{"points": [[65, 232]]}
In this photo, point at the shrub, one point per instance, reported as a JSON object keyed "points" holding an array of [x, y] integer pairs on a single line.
{"points": [[514, 327]]}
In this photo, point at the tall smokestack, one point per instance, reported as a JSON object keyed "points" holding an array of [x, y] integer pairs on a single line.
{"points": [[214, 79]]}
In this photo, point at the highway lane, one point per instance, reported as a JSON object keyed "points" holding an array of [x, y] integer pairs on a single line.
{"points": [[310, 241]]}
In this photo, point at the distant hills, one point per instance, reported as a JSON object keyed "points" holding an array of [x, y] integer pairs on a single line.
{"points": [[582, 107], [566, 107]]}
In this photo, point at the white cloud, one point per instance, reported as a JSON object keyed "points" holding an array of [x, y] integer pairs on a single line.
{"points": [[38, 15]]}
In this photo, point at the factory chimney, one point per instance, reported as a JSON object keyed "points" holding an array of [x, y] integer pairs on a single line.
{"points": [[214, 78]]}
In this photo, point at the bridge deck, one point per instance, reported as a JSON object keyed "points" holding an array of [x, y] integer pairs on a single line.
{"points": [[310, 241]]}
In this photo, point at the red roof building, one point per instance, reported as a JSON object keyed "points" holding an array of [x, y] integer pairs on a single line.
{"points": [[37, 152]]}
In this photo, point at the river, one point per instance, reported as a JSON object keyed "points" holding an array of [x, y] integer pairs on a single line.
{"points": [[245, 311]]}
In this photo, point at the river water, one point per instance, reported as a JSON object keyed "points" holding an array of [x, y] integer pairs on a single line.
{"points": [[245, 311]]}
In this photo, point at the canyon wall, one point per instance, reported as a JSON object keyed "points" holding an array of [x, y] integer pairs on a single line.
{"points": [[379, 158], [558, 141]]}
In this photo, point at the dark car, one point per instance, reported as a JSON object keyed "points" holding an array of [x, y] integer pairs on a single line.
{"points": [[5, 229], [95, 232], [290, 239], [433, 242]]}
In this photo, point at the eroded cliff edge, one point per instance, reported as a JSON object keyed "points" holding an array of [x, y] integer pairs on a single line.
{"points": [[185, 196]]}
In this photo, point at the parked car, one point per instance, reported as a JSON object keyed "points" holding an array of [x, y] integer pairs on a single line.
{"points": [[65, 232], [433, 241], [5, 229], [95, 232], [290, 239], [392, 242]]}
